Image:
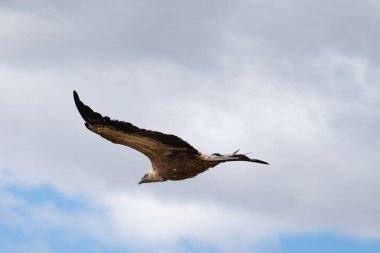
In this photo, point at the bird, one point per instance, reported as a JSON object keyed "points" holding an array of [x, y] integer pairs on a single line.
{"points": [[171, 157]]}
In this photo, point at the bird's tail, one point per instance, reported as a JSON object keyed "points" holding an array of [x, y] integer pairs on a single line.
{"points": [[216, 157]]}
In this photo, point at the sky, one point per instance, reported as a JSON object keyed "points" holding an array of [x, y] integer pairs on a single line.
{"points": [[294, 82]]}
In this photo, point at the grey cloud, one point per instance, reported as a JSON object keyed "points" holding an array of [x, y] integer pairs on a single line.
{"points": [[300, 29], [120, 31], [194, 34]]}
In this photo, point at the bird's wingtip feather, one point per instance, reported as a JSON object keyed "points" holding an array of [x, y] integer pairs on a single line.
{"points": [[75, 95]]}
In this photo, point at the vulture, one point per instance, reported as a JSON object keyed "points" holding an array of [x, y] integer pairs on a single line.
{"points": [[171, 157]]}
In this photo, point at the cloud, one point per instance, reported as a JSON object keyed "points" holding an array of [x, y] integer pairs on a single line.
{"points": [[306, 188], [131, 220], [273, 78], [87, 32], [152, 221]]}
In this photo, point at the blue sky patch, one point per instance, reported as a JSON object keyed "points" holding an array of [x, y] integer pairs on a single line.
{"points": [[317, 243], [46, 194]]}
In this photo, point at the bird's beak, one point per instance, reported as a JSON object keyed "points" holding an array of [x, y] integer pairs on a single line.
{"points": [[140, 182]]}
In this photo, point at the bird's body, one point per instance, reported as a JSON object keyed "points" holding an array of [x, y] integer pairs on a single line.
{"points": [[172, 158]]}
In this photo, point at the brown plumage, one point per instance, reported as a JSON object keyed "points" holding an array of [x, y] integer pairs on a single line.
{"points": [[172, 158]]}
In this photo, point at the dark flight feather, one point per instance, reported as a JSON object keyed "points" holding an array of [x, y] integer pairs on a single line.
{"points": [[96, 119]]}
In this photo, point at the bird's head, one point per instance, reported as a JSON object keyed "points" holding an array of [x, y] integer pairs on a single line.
{"points": [[151, 177]]}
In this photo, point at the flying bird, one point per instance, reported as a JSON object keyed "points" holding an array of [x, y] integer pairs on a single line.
{"points": [[171, 157]]}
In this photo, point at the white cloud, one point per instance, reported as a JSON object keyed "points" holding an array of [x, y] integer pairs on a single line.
{"points": [[147, 220]]}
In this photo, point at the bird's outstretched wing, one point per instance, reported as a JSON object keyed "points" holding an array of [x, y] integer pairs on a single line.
{"points": [[150, 143]]}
